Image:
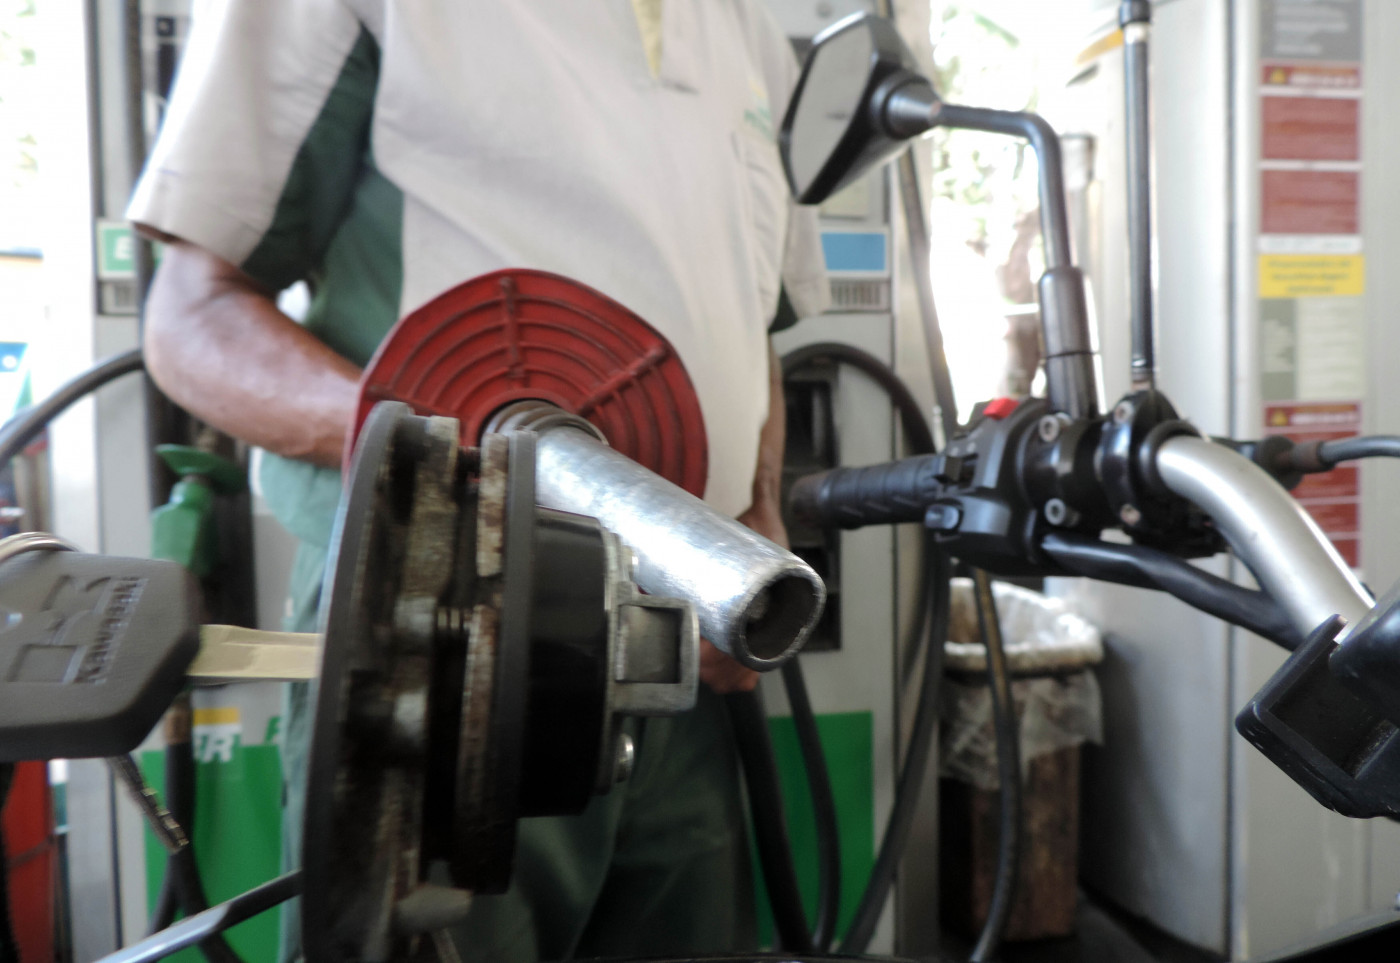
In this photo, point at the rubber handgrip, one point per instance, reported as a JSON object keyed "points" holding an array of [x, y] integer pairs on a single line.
{"points": [[897, 491]]}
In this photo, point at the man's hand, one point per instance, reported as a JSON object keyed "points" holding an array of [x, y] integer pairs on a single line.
{"points": [[722, 674], [717, 670]]}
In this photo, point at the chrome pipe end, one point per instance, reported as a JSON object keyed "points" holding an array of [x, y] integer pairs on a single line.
{"points": [[777, 618]]}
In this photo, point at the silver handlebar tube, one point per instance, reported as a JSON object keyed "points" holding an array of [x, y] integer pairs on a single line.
{"points": [[1279, 542], [755, 600]]}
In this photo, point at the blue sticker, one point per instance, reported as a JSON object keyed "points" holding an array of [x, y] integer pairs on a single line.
{"points": [[864, 252]]}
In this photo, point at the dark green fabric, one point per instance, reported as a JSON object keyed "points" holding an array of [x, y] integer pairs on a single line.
{"points": [[349, 223], [355, 300], [786, 315], [659, 867], [322, 176], [355, 303]]}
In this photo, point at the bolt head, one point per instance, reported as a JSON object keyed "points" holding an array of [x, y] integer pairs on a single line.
{"points": [[1048, 428], [1129, 515], [1123, 412], [1055, 511]]}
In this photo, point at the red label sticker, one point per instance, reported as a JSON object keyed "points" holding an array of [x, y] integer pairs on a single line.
{"points": [[1311, 129], [1310, 202], [1332, 498]]}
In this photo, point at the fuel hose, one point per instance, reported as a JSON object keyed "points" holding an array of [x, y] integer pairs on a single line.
{"points": [[933, 598], [24, 426]]}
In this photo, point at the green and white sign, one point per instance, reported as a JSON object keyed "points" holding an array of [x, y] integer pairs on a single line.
{"points": [[116, 251]]}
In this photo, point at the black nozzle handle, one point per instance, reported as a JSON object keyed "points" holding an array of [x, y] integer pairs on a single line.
{"points": [[897, 491]]}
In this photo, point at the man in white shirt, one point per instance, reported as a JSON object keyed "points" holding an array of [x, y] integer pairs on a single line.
{"points": [[386, 151]]}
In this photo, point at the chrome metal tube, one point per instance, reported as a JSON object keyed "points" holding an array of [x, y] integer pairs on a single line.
{"points": [[755, 600], [1293, 561], [1136, 21]]}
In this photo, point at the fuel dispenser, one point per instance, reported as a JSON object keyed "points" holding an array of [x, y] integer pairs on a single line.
{"points": [[857, 662]]}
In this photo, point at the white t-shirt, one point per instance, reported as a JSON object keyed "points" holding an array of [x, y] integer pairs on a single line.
{"points": [[483, 135]]}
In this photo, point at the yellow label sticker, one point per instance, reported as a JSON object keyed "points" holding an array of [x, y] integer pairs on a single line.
{"points": [[1311, 275], [216, 716]]}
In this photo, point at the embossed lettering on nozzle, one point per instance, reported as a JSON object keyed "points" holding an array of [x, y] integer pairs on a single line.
{"points": [[755, 600]]}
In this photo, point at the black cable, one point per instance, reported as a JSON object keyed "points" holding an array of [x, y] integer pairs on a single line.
{"points": [[911, 776], [755, 745], [24, 426], [823, 807], [180, 801], [1008, 741], [193, 901], [1148, 568], [1365, 446], [167, 903], [211, 922], [182, 879]]}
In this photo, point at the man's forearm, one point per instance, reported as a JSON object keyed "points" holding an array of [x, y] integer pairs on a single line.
{"points": [[216, 343], [764, 514]]}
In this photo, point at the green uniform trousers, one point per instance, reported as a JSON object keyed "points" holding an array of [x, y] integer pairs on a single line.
{"points": [[657, 867]]}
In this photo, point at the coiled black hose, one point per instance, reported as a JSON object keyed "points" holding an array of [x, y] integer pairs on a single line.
{"points": [[823, 807], [24, 426], [911, 414], [182, 889], [919, 438], [911, 776], [934, 597], [769, 822], [182, 885]]}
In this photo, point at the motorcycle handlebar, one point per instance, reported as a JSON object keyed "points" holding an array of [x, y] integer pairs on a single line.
{"points": [[899, 491], [1270, 532]]}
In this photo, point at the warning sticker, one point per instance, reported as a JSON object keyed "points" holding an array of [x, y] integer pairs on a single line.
{"points": [[1332, 498], [1311, 275], [1306, 76], [1311, 129], [1310, 202]]}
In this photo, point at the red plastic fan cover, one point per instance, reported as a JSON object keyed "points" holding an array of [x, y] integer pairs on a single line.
{"points": [[520, 334]]}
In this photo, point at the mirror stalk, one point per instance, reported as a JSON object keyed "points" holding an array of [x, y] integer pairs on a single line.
{"points": [[912, 108]]}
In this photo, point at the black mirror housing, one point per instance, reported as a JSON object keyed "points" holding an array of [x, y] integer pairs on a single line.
{"points": [[834, 129]]}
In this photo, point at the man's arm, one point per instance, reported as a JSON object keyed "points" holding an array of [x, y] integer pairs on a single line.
{"points": [[765, 512], [216, 343], [764, 515]]}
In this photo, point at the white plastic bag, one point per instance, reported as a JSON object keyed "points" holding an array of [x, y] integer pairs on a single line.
{"points": [[1049, 652]]}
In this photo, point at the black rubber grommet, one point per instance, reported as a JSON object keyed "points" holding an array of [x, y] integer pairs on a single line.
{"points": [[1146, 455]]}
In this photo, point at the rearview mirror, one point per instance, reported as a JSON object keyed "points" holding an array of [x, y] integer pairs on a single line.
{"points": [[836, 127]]}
